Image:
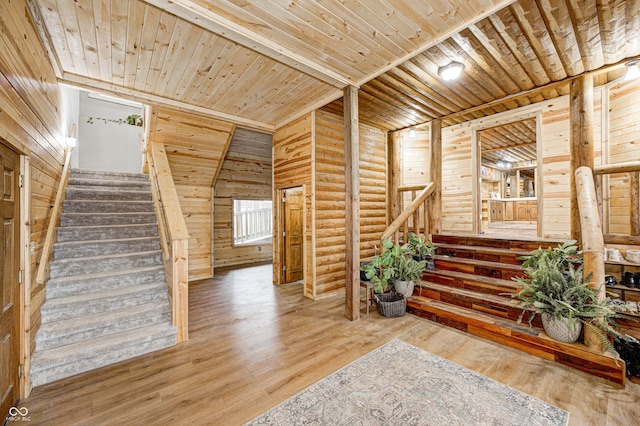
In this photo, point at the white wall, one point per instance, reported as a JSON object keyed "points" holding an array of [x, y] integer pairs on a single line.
{"points": [[108, 146]]}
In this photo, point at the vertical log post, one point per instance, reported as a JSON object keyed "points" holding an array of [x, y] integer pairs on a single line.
{"points": [[581, 139], [592, 244], [352, 203], [435, 216], [634, 205]]}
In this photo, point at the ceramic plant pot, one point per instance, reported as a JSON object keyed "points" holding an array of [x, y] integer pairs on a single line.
{"points": [[560, 329], [404, 287]]}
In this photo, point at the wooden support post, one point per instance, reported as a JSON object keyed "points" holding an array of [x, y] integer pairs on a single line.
{"points": [[393, 176], [592, 244], [352, 203], [581, 139], [634, 205], [435, 216]]}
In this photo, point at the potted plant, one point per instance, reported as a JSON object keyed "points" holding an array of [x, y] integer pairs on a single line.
{"points": [[555, 288], [385, 268], [407, 272], [423, 249]]}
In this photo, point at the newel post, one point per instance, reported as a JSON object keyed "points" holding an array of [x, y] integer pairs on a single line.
{"points": [[435, 216]]}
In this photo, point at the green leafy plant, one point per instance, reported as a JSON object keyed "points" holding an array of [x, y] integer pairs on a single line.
{"points": [[394, 263], [421, 246], [132, 120], [555, 285]]}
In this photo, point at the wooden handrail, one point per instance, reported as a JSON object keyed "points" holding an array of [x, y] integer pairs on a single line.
{"points": [[176, 238], [592, 241], [409, 211], [407, 188], [606, 169], [42, 274]]}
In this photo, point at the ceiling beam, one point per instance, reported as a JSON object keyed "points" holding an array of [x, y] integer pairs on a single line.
{"points": [[205, 18], [138, 96]]}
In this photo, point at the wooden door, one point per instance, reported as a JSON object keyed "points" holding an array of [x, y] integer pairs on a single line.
{"points": [[10, 313], [293, 235]]}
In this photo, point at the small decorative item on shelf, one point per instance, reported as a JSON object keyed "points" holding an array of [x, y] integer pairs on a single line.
{"points": [[629, 279], [633, 256], [612, 255], [610, 280]]}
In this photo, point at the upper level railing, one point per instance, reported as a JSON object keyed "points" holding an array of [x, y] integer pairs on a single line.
{"points": [[415, 217], [42, 275], [252, 225], [174, 236]]}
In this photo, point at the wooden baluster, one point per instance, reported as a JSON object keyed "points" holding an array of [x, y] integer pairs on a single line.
{"points": [[416, 216], [599, 197], [425, 217], [634, 186]]}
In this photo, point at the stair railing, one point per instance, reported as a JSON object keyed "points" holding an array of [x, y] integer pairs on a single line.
{"points": [[633, 169], [42, 275], [174, 237], [409, 220], [592, 242]]}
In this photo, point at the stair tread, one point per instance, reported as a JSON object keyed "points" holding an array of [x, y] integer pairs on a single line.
{"points": [[98, 227], [88, 214], [98, 275], [498, 282], [99, 319], [70, 353], [477, 262], [476, 315], [105, 257], [95, 298], [503, 300], [493, 250], [112, 240]]}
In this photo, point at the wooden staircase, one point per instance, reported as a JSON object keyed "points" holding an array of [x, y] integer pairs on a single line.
{"points": [[470, 291]]}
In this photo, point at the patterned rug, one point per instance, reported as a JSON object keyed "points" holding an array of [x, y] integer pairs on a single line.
{"points": [[399, 384]]}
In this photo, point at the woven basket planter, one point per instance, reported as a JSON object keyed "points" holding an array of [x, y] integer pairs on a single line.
{"points": [[391, 304]]}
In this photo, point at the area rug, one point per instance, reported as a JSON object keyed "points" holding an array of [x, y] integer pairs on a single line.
{"points": [[399, 384]]}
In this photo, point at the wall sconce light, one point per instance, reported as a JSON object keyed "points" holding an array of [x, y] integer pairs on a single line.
{"points": [[451, 71], [412, 132], [70, 142], [633, 71]]}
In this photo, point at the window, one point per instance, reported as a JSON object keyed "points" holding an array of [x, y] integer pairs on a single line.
{"points": [[252, 221]]}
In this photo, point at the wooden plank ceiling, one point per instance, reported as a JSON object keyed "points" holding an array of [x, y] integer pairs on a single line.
{"points": [[512, 143], [261, 64]]}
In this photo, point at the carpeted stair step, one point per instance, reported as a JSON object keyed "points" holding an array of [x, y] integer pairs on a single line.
{"points": [[75, 249], [505, 271], [482, 284], [528, 339], [106, 219], [103, 281], [500, 306], [67, 332], [488, 254], [108, 175], [112, 184], [107, 206], [107, 194], [66, 361], [110, 232], [92, 303], [93, 264]]}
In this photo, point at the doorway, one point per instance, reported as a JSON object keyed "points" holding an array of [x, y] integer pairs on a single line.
{"points": [[9, 277], [509, 186], [292, 241]]}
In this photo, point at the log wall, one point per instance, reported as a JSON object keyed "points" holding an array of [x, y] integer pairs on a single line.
{"points": [[292, 157], [31, 123], [415, 163], [245, 174]]}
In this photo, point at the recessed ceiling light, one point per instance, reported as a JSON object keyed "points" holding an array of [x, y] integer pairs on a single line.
{"points": [[633, 71], [451, 71]]}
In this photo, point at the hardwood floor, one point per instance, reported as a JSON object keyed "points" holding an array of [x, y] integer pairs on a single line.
{"points": [[252, 345]]}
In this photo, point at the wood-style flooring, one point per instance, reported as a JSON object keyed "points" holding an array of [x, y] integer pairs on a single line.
{"points": [[252, 345]]}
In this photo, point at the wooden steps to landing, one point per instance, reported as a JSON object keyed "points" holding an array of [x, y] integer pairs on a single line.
{"points": [[470, 291]]}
